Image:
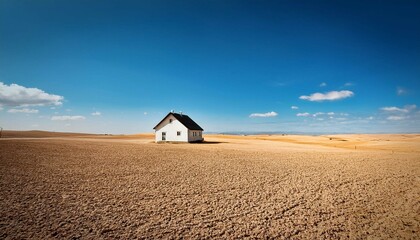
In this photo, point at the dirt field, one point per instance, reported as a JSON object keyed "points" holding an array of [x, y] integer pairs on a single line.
{"points": [[74, 186]]}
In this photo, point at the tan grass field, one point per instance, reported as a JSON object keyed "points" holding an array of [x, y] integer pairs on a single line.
{"points": [[69, 186]]}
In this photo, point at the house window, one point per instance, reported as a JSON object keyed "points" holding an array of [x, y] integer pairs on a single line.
{"points": [[178, 133], [170, 120]]}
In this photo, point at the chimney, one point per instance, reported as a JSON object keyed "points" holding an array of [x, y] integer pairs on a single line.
{"points": [[180, 112]]}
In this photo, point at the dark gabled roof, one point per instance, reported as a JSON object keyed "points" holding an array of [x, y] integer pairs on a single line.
{"points": [[184, 119]]}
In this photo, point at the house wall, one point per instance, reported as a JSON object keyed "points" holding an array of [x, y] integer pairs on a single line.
{"points": [[171, 130], [192, 138]]}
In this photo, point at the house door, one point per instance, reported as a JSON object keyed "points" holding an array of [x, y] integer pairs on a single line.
{"points": [[163, 136]]}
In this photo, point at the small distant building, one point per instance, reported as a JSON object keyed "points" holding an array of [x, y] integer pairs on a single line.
{"points": [[178, 127]]}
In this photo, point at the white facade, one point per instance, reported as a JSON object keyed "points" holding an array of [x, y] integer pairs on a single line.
{"points": [[170, 129], [195, 135]]}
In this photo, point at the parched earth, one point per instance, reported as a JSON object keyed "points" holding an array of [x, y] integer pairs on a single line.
{"points": [[78, 188]]}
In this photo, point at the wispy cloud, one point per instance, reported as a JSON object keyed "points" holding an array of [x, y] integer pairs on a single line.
{"points": [[67, 118], [401, 91], [318, 114], [406, 109], [96, 113], [329, 96], [22, 110], [348, 84], [394, 109], [329, 115], [397, 113], [280, 84], [396, 118], [16, 95], [323, 84], [294, 107], [322, 113], [269, 114], [305, 114]]}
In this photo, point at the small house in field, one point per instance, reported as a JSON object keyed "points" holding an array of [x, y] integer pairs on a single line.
{"points": [[178, 127]]}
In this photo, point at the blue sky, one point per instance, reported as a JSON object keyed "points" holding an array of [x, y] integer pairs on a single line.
{"points": [[120, 66]]}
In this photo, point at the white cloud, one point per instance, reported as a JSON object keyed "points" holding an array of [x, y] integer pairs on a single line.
{"points": [[330, 96], [410, 107], [96, 113], [396, 118], [1, 108], [67, 118], [280, 84], [370, 118], [348, 84], [23, 110], [16, 95], [145, 113], [323, 84], [305, 114], [269, 114], [317, 114], [406, 109], [397, 114], [401, 91], [394, 109], [294, 107]]}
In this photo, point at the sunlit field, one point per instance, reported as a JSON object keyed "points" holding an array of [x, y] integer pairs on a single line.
{"points": [[313, 187]]}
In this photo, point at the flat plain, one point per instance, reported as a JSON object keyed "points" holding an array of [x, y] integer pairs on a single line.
{"points": [[72, 186]]}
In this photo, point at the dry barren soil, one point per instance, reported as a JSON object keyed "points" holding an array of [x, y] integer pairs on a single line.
{"points": [[287, 187]]}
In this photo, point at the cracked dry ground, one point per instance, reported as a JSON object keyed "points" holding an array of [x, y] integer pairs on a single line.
{"points": [[98, 189]]}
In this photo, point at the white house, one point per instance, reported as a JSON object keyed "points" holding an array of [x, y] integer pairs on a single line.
{"points": [[178, 127]]}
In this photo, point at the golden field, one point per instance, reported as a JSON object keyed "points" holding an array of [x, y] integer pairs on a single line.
{"points": [[65, 185]]}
